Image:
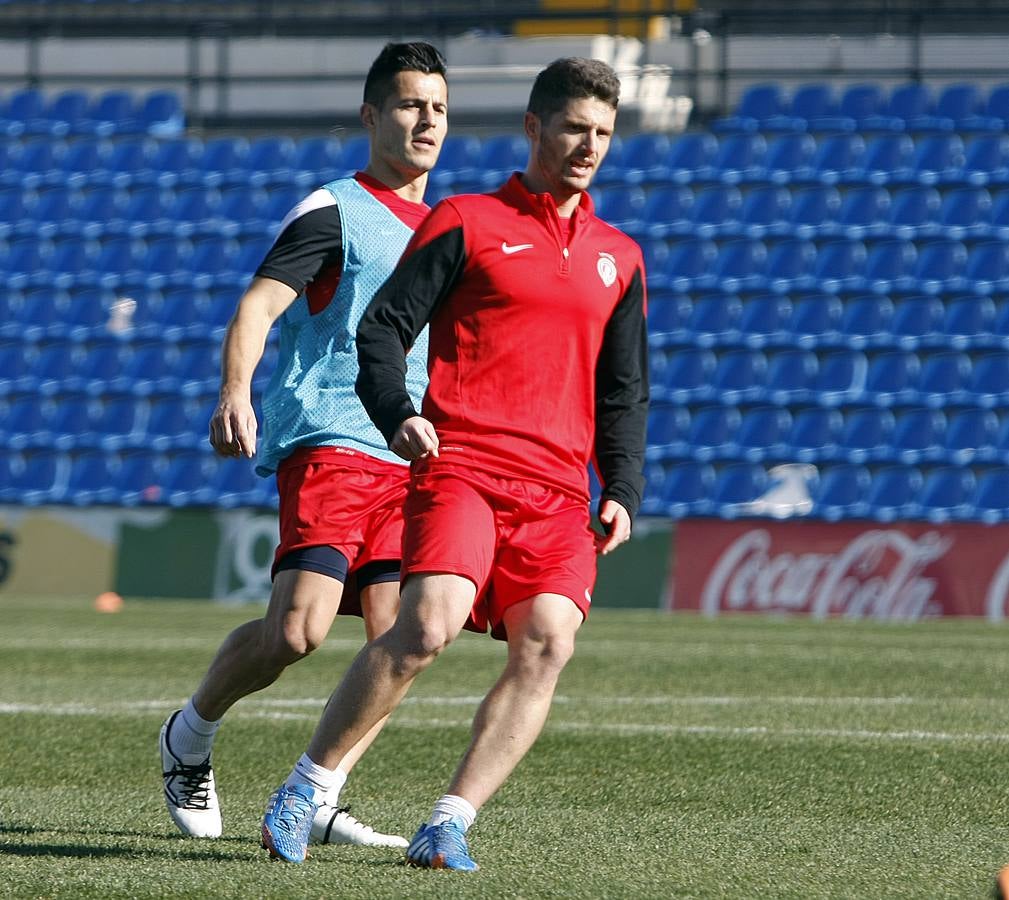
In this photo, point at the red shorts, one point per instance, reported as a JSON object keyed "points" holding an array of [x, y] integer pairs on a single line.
{"points": [[344, 499], [511, 537]]}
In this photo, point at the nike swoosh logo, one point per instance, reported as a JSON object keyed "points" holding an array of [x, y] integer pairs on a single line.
{"points": [[514, 248]]}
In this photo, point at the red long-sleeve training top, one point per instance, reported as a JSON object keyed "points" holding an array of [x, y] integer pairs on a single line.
{"points": [[538, 343]]}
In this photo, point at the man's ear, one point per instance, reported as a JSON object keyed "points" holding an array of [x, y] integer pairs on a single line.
{"points": [[368, 115], [531, 125]]}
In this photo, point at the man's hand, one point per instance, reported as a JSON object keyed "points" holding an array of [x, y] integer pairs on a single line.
{"points": [[233, 427], [414, 439], [617, 524]]}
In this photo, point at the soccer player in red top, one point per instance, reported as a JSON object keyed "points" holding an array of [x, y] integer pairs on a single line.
{"points": [[538, 366]]}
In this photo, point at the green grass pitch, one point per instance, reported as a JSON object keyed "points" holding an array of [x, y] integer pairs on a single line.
{"points": [[684, 757]]}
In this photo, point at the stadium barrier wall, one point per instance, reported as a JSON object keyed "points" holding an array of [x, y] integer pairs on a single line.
{"points": [[905, 570], [223, 555]]}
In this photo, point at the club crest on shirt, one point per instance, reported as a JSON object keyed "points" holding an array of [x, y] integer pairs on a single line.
{"points": [[606, 266]]}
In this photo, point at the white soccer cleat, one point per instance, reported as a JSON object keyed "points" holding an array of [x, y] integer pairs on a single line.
{"points": [[335, 825], [190, 794]]}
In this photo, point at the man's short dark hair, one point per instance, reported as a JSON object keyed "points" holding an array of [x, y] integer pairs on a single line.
{"points": [[572, 78], [415, 56]]}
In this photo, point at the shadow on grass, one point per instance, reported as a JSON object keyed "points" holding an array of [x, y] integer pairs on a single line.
{"points": [[84, 851]]}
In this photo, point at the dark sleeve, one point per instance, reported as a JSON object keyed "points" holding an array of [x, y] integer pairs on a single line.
{"points": [[622, 399], [309, 244], [430, 267]]}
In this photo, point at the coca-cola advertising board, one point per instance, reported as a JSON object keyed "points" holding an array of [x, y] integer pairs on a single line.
{"points": [[906, 570]]}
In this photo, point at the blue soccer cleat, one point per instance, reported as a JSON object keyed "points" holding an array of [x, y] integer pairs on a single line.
{"points": [[441, 847], [288, 822]]}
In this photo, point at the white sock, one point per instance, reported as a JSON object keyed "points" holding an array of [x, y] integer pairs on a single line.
{"points": [[311, 773], [332, 797], [452, 807], [192, 736]]}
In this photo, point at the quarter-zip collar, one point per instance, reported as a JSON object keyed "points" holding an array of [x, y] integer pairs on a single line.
{"points": [[544, 208]]}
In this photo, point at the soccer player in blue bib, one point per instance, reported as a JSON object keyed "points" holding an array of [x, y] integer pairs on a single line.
{"points": [[341, 489]]}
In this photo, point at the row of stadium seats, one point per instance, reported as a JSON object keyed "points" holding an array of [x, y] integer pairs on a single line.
{"points": [[468, 163], [887, 266], [912, 106], [966, 213], [131, 478], [818, 211], [814, 434], [825, 321], [112, 366], [830, 378], [74, 112], [842, 490]]}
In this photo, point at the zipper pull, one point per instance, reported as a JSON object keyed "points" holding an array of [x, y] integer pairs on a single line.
{"points": [[566, 254]]}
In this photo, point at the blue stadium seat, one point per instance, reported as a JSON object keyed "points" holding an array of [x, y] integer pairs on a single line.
{"points": [[655, 253], [916, 321], [763, 212], [236, 483], [839, 266], [36, 163], [788, 159], [611, 171], [161, 114], [968, 322], [34, 477], [994, 115], [13, 208], [860, 101], [887, 159], [175, 161], [790, 375], [918, 435], [16, 360], [863, 213], [1000, 327], [684, 489], [71, 422], [645, 158], [668, 427], [99, 212], [736, 486], [911, 211], [865, 321], [739, 266], [991, 498], [458, 160], [989, 379], [987, 268], [188, 479], [690, 158], [175, 423], [888, 267], [26, 422], [739, 158], [957, 104], [965, 213], [810, 103], [841, 492], [938, 159], [666, 212], [118, 423], [970, 435], [223, 161], [837, 158], [712, 432], [939, 268], [24, 260], [621, 206], [668, 315], [944, 378], [762, 433], [765, 320], [812, 210], [65, 114], [715, 210], [316, 161], [892, 377], [714, 320], [269, 161], [947, 493], [759, 103], [815, 434], [689, 266], [89, 483], [985, 164], [1000, 216], [24, 106], [866, 435], [688, 376], [907, 102], [139, 479], [788, 266], [740, 376], [894, 493], [501, 155], [841, 377]]}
